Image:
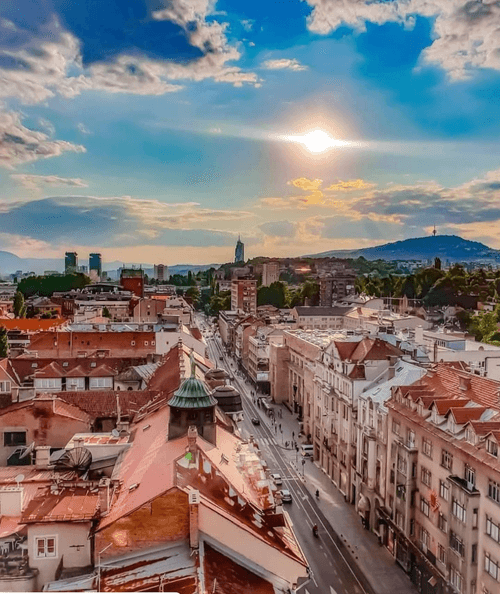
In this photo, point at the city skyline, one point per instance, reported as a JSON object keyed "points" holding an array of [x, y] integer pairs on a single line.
{"points": [[162, 131]]}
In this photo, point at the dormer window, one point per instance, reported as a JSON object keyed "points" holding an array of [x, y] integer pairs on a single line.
{"points": [[470, 436], [452, 427], [492, 447]]}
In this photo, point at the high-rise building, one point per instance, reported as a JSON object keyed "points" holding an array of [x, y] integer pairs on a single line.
{"points": [[95, 264], [70, 262], [244, 295], [132, 279], [270, 273], [337, 286], [161, 272], [239, 252]]}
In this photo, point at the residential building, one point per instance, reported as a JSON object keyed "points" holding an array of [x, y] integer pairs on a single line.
{"points": [[336, 286], [270, 273], [322, 318], [244, 295], [258, 355], [95, 265], [239, 252], [132, 279], [70, 262], [161, 272], [442, 516]]}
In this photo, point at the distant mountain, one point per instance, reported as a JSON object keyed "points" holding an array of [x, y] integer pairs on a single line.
{"points": [[10, 263], [446, 247]]}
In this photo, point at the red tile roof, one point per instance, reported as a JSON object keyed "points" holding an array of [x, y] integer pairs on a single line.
{"points": [[444, 379], [443, 405], [102, 404], [32, 324], [367, 349], [485, 427], [59, 408], [196, 333], [10, 525], [466, 413], [70, 504]]}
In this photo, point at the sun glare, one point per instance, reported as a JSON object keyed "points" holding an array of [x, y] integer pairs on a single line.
{"points": [[317, 141]]}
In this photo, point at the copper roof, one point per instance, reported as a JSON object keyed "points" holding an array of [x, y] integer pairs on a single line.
{"points": [[69, 504]]}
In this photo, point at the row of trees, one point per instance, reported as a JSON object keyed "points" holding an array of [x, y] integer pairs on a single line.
{"points": [[45, 286]]}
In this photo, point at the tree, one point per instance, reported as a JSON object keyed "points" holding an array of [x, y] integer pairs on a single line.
{"points": [[437, 263], [19, 307], [276, 294], [106, 313], [45, 286], [220, 302], [194, 293], [4, 346]]}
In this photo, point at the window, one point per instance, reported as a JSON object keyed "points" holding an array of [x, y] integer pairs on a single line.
{"points": [[410, 438], [491, 567], [14, 438], [470, 477], [75, 383], [492, 529], [457, 544], [444, 490], [101, 382], [427, 447], [426, 476], [396, 428], [425, 538], [412, 527], [146, 343], [424, 506], [441, 554], [456, 580], [5, 386], [45, 547], [492, 447], [399, 520], [49, 383], [446, 460], [442, 523], [402, 465], [153, 343], [494, 491], [459, 511], [470, 436]]}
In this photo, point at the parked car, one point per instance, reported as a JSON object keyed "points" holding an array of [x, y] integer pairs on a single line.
{"points": [[277, 479], [286, 496], [255, 421]]}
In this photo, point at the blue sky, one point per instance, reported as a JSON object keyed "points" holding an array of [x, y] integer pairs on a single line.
{"points": [[157, 130]]}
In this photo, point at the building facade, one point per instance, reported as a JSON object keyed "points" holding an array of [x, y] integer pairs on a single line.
{"points": [[270, 273], [70, 262], [244, 295], [161, 272], [239, 252], [95, 264], [336, 286]]}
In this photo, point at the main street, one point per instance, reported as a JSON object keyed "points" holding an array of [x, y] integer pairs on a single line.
{"points": [[331, 574]]}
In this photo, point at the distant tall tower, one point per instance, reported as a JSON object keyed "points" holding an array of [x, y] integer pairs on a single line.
{"points": [[239, 252], [434, 232], [70, 262], [95, 264]]}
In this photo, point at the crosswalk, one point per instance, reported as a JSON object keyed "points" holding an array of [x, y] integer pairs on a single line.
{"points": [[266, 441]]}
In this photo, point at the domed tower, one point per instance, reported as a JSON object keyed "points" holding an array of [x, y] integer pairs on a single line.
{"points": [[192, 404]]}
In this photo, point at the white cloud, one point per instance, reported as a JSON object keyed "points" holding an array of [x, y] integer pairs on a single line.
{"points": [[248, 24], [465, 31], [284, 64], [83, 129], [33, 182], [19, 144]]}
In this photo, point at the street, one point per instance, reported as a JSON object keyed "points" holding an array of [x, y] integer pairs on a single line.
{"points": [[331, 573]]}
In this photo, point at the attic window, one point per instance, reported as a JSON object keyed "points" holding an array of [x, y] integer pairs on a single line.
{"points": [[492, 447], [34, 365], [146, 427], [93, 364], [133, 487], [65, 364]]}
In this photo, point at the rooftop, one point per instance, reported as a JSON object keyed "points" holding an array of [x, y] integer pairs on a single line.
{"points": [[66, 504]]}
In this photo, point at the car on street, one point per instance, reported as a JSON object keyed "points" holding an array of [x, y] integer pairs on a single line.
{"points": [[286, 496], [255, 420], [277, 479]]}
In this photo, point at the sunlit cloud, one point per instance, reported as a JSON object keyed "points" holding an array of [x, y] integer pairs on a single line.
{"points": [[284, 64]]}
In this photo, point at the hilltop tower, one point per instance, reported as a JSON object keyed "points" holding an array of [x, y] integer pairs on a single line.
{"points": [[239, 252]]}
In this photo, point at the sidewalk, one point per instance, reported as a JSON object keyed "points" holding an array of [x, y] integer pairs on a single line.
{"points": [[362, 547]]}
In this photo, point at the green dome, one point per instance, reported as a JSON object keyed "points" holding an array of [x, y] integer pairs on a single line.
{"points": [[193, 393]]}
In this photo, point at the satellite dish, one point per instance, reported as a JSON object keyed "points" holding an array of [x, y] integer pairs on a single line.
{"points": [[115, 433], [19, 479], [27, 451], [77, 459]]}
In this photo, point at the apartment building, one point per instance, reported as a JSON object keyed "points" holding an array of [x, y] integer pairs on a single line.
{"points": [[270, 273], [442, 515], [244, 295], [322, 318]]}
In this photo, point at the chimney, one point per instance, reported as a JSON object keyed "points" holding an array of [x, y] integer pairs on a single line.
{"points": [[11, 501], [194, 528], [391, 371], [78, 442], [42, 457], [464, 383], [104, 495], [192, 436], [419, 335], [123, 426]]}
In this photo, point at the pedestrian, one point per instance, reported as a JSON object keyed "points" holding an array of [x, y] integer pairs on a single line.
{"points": [[280, 426], [293, 434]]}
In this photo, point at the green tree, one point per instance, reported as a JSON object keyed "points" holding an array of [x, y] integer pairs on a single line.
{"points": [[45, 286], [276, 294], [4, 347], [194, 294], [220, 302], [437, 263], [106, 313], [19, 306]]}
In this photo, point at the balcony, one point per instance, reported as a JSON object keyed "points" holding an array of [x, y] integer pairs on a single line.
{"points": [[469, 488]]}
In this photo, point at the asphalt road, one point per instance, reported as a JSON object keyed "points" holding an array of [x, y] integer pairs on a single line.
{"points": [[331, 572]]}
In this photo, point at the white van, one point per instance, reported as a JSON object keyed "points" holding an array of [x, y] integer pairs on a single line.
{"points": [[307, 450]]}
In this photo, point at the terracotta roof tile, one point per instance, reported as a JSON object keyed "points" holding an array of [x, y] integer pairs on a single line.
{"points": [[10, 525], [485, 427], [32, 324], [69, 504], [102, 404], [466, 413], [443, 405], [59, 407]]}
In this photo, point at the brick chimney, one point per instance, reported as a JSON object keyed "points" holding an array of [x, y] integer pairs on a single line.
{"points": [[194, 527], [42, 456], [104, 495], [391, 371]]}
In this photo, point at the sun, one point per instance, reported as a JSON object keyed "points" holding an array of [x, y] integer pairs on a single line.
{"points": [[317, 141]]}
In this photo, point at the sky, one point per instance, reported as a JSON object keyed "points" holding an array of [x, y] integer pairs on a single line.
{"points": [[157, 131]]}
